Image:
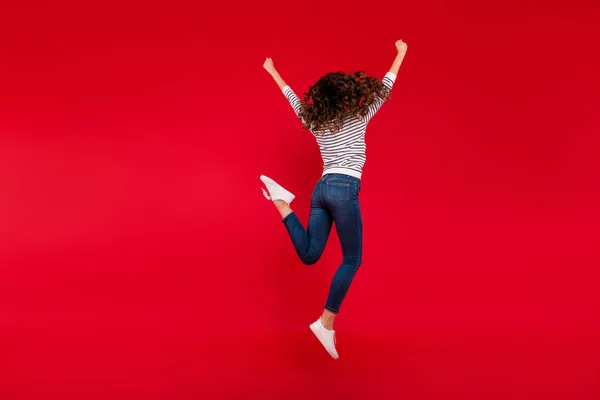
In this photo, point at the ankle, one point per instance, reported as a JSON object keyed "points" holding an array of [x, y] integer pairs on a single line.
{"points": [[280, 204], [327, 323]]}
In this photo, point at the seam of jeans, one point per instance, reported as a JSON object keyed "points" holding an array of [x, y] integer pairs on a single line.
{"points": [[359, 220], [339, 183], [321, 193], [331, 309]]}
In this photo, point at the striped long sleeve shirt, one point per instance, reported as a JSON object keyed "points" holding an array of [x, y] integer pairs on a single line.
{"points": [[344, 152]]}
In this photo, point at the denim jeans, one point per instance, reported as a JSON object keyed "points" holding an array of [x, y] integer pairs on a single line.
{"points": [[334, 199]]}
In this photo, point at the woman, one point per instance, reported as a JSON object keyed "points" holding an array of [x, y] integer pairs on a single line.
{"points": [[337, 109]]}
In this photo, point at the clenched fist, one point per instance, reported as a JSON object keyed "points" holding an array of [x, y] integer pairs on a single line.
{"points": [[268, 65], [401, 46]]}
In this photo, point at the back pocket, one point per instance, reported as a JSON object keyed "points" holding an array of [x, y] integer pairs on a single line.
{"points": [[338, 191]]}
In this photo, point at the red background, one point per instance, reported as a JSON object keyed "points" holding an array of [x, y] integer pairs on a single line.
{"points": [[139, 259]]}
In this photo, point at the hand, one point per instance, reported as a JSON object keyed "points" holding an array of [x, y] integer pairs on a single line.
{"points": [[401, 47], [268, 65]]}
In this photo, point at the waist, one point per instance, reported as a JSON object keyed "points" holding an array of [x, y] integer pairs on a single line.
{"points": [[343, 172]]}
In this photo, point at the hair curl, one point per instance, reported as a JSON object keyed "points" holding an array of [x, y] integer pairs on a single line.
{"points": [[336, 96]]}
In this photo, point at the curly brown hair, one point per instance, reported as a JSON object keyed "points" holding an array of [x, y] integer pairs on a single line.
{"points": [[338, 95]]}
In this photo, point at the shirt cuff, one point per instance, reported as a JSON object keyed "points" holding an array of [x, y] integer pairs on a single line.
{"points": [[391, 76], [286, 88]]}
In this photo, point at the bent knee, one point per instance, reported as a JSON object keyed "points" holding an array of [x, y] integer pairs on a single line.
{"points": [[310, 260], [311, 256]]}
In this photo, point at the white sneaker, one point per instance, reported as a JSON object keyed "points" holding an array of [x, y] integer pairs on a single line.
{"points": [[326, 337], [276, 191]]}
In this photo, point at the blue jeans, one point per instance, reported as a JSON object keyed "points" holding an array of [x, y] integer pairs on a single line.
{"points": [[334, 199]]}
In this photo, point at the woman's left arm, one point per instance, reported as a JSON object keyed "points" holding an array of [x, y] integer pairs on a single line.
{"points": [[270, 68], [287, 91]]}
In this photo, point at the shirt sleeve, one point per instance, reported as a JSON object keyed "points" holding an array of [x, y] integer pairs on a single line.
{"points": [[292, 98], [388, 81]]}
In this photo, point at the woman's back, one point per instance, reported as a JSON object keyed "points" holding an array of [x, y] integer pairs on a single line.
{"points": [[344, 151]]}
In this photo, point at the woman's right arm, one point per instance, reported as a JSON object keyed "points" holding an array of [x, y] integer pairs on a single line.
{"points": [[389, 78], [401, 47]]}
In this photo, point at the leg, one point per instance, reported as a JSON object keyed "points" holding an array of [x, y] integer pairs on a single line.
{"points": [[283, 208], [341, 198], [343, 201], [309, 243], [349, 228], [327, 319]]}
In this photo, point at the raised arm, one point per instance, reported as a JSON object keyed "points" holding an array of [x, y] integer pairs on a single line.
{"points": [[287, 91], [401, 48], [389, 78]]}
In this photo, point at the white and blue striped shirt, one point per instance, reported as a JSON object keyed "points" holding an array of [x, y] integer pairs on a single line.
{"points": [[344, 152]]}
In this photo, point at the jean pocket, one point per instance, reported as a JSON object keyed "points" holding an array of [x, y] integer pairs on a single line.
{"points": [[338, 190]]}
